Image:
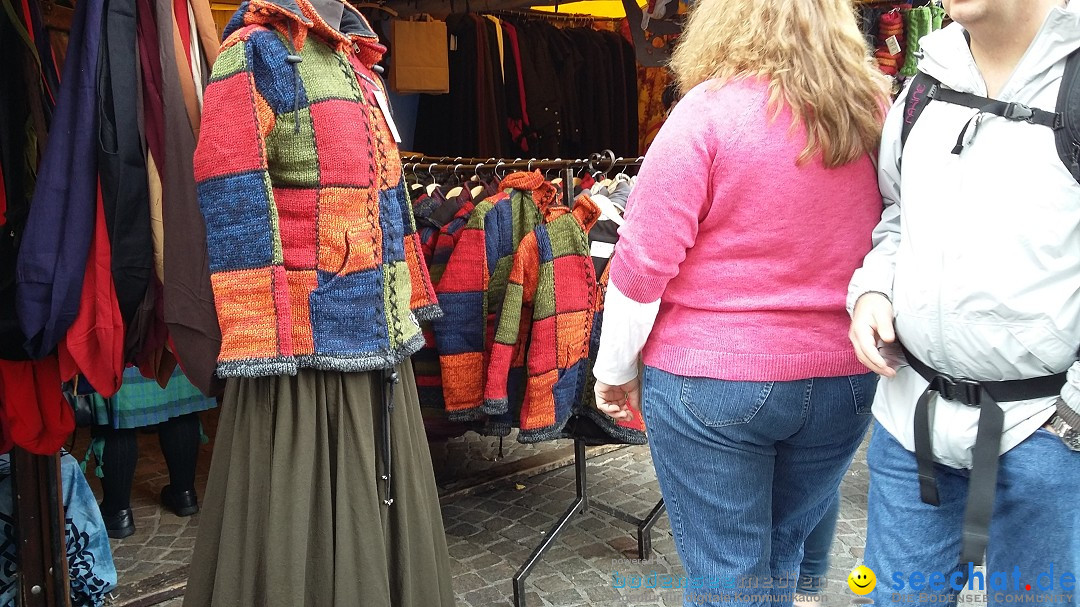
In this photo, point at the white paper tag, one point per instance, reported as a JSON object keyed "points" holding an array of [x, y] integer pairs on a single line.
{"points": [[384, 105], [602, 250], [453, 43], [893, 44]]}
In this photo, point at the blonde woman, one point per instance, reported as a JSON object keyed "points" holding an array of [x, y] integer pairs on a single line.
{"points": [[754, 205]]}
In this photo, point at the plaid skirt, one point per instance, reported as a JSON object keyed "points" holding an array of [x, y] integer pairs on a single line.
{"points": [[142, 402]]}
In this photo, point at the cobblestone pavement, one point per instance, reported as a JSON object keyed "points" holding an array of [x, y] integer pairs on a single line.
{"points": [[492, 532]]}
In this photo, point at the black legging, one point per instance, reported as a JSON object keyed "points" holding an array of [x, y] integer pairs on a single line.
{"points": [[179, 439]]}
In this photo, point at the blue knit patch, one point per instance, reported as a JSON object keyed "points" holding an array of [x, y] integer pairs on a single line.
{"points": [[567, 391], [274, 76], [543, 243], [461, 329], [499, 233], [237, 211], [347, 313], [391, 209]]}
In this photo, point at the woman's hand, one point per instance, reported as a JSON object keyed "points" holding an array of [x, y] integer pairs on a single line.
{"points": [[619, 402]]}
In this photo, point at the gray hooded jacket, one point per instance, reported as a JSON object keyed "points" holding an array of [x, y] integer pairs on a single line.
{"points": [[979, 252]]}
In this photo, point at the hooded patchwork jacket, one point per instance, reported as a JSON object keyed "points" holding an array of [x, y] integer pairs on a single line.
{"points": [[554, 280], [471, 289], [314, 257]]}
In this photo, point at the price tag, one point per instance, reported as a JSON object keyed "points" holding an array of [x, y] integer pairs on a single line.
{"points": [[894, 46], [384, 105], [602, 250]]}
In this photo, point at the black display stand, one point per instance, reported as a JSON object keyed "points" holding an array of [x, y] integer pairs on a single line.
{"points": [[581, 505]]}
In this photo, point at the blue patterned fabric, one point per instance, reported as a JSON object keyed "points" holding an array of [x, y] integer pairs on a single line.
{"points": [[90, 562]]}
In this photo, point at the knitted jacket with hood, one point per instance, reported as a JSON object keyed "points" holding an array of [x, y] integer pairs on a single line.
{"points": [[314, 256]]}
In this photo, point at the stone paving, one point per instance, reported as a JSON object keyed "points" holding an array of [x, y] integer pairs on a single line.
{"points": [[492, 531]]}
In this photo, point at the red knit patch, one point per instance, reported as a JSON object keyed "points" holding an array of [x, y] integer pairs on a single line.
{"points": [[341, 137], [543, 347], [296, 218], [229, 139], [571, 295]]}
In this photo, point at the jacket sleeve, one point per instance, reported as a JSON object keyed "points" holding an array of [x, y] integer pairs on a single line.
{"points": [[423, 303], [879, 265], [234, 190], [460, 333], [520, 294]]}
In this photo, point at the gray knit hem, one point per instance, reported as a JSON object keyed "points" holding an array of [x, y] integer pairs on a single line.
{"points": [[558, 430], [344, 363], [497, 429], [626, 435], [1068, 414], [428, 312], [495, 406], [465, 415]]}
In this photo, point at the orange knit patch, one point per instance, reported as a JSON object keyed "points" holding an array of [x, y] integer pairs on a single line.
{"points": [[265, 114], [422, 291], [350, 239], [462, 373], [573, 337], [538, 410], [246, 313], [301, 284]]}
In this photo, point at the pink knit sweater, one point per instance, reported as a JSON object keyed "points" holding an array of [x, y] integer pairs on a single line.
{"points": [[749, 253]]}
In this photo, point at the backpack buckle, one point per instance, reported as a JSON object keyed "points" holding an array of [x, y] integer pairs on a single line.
{"points": [[964, 391], [1019, 111]]}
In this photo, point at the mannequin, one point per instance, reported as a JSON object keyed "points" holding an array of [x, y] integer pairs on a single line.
{"points": [[321, 490]]}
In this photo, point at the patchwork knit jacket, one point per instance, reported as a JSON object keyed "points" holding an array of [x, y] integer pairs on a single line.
{"points": [[554, 279], [472, 287], [314, 256]]}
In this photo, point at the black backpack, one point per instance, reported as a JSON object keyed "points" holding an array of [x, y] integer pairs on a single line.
{"points": [[1065, 120]]}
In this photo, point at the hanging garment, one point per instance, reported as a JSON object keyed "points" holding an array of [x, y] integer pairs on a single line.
{"points": [[553, 280], [51, 262], [121, 158], [188, 297], [38, 418], [143, 402], [472, 287]]}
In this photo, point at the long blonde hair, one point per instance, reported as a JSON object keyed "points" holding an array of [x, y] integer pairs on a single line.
{"points": [[814, 57]]}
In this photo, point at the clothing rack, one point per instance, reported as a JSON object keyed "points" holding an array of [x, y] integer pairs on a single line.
{"points": [[571, 18], [600, 162]]}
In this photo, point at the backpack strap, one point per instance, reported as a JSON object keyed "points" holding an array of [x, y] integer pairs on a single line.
{"points": [[1067, 138], [922, 90]]}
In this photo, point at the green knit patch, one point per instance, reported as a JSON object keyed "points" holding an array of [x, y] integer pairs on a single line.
{"points": [[396, 298], [275, 222], [565, 243], [321, 72], [544, 304], [497, 283], [512, 301], [231, 61], [290, 155]]}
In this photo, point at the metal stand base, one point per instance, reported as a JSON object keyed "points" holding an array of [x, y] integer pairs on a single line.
{"points": [[581, 505]]}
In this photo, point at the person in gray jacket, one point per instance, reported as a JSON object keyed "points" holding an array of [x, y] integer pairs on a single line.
{"points": [[974, 281]]}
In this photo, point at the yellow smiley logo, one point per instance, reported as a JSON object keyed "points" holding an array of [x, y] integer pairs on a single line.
{"points": [[861, 580]]}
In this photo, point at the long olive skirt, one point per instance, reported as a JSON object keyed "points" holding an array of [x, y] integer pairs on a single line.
{"points": [[294, 514]]}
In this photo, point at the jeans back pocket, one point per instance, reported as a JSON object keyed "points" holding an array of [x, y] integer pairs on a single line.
{"points": [[863, 388], [718, 403]]}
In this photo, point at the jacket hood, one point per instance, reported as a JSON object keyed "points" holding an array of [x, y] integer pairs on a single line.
{"points": [[301, 12], [947, 57]]}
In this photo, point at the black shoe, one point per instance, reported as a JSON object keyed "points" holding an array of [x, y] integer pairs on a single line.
{"points": [[119, 525], [181, 503]]}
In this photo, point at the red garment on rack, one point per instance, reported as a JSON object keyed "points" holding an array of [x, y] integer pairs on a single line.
{"points": [[94, 345], [33, 410]]}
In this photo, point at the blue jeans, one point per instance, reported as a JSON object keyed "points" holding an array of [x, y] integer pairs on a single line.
{"points": [[1035, 526], [747, 469], [815, 561]]}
